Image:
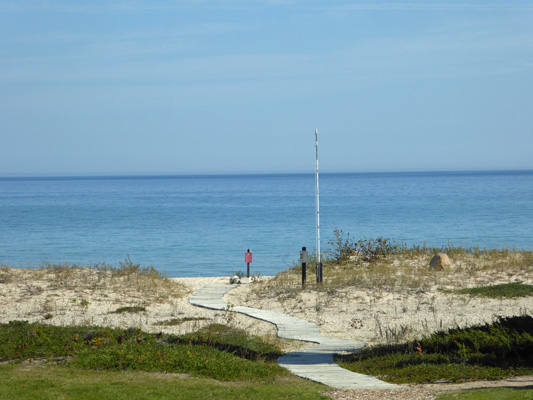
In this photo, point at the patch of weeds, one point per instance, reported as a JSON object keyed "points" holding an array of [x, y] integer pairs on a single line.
{"points": [[129, 309], [48, 316], [84, 303], [395, 334], [506, 290], [218, 352], [33, 289], [129, 268], [48, 306], [5, 274], [179, 321], [364, 249], [148, 280], [239, 274], [229, 313], [128, 277], [232, 340], [491, 351]]}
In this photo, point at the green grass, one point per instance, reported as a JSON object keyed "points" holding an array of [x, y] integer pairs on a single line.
{"points": [[217, 352], [129, 309], [179, 321], [506, 290], [84, 362], [491, 351], [28, 382], [490, 394]]}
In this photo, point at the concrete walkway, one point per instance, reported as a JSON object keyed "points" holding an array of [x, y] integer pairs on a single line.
{"points": [[315, 363]]}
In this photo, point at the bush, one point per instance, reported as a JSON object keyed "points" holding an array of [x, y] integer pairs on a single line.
{"points": [[365, 249], [490, 351]]}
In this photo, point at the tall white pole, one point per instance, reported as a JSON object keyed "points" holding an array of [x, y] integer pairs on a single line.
{"points": [[317, 203]]}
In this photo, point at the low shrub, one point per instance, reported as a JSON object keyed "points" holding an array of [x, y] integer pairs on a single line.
{"points": [[365, 249], [490, 351], [217, 352], [505, 290]]}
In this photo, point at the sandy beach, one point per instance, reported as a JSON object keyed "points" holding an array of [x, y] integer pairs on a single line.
{"points": [[374, 311], [376, 314]]}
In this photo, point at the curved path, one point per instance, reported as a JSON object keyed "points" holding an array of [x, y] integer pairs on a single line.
{"points": [[315, 363]]}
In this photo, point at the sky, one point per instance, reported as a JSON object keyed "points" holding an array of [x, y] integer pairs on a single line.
{"points": [[239, 86]]}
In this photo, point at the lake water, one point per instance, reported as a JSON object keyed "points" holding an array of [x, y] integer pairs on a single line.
{"points": [[202, 225]]}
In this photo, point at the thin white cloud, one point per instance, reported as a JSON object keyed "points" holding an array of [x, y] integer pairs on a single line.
{"points": [[63, 6], [425, 5], [79, 7], [120, 6]]}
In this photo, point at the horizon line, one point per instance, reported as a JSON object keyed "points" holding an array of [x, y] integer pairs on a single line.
{"points": [[221, 174]]}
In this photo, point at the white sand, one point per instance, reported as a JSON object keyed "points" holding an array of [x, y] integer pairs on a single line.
{"points": [[85, 298], [368, 315], [380, 316]]}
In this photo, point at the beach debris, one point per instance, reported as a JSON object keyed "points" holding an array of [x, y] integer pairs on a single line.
{"points": [[441, 262], [235, 280]]}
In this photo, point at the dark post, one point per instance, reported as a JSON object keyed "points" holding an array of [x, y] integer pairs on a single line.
{"points": [[303, 257], [319, 272]]}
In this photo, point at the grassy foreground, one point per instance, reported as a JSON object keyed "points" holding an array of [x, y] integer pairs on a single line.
{"points": [[84, 362], [216, 352], [54, 382]]}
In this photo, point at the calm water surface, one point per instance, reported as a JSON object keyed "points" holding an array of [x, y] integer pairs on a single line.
{"points": [[202, 225]]}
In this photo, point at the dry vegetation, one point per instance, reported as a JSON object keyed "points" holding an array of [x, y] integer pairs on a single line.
{"points": [[66, 294], [396, 297], [122, 297], [386, 300]]}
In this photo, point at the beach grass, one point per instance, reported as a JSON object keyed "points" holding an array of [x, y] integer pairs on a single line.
{"points": [[126, 278], [386, 265]]}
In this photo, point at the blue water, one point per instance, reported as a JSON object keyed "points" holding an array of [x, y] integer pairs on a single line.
{"points": [[202, 225]]}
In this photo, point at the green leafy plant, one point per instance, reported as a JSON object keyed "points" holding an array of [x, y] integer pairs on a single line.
{"points": [[506, 290], [343, 247], [491, 351], [218, 352], [179, 321], [129, 309]]}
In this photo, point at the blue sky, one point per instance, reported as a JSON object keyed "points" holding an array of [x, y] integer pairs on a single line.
{"points": [[192, 86]]}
